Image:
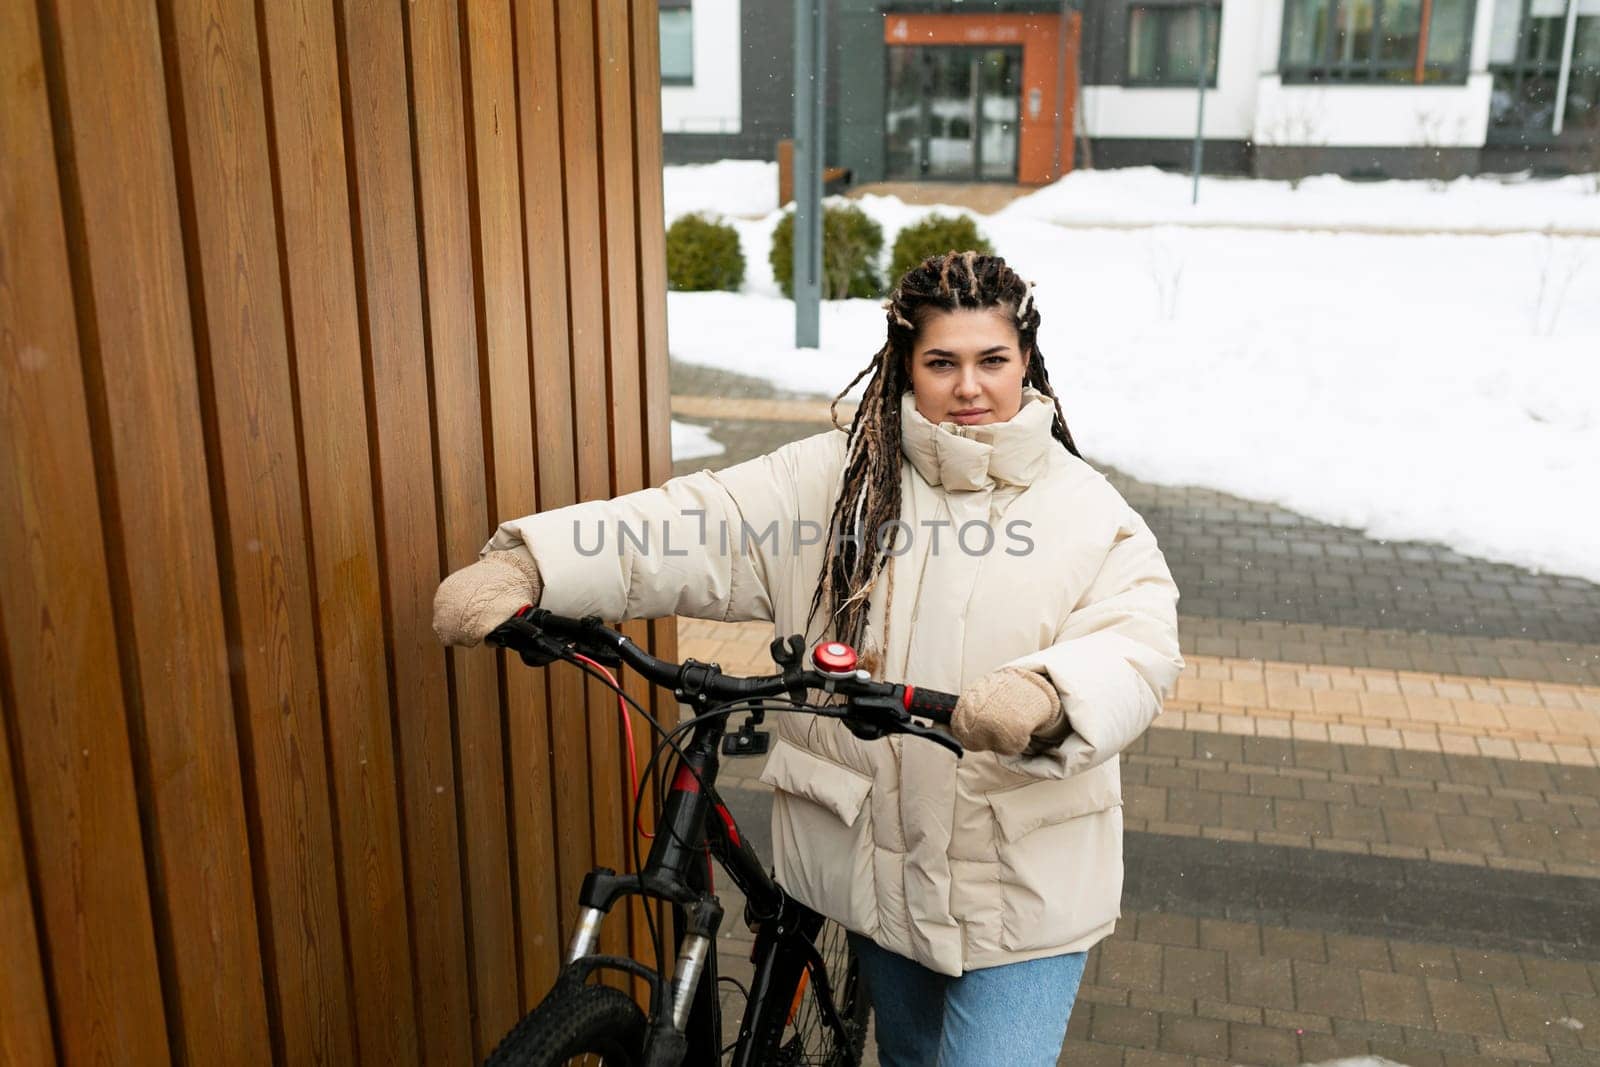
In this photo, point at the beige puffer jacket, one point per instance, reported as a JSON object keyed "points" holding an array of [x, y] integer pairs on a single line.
{"points": [[956, 865]]}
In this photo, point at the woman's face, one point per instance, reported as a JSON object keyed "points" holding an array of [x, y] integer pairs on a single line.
{"points": [[966, 367]]}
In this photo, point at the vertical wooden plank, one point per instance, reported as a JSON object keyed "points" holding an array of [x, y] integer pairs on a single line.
{"points": [[652, 241], [656, 392], [309, 167], [314, 224], [445, 194], [384, 206], [74, 777], [614, 87], [25, 1036], [143, 391], [226, 175], [587, 323], [653, 367], [503, 317], [613, 38], [544, 243]]}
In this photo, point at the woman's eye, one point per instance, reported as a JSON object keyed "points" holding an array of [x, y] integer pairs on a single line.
{"points": [[995, 360], [939, 364]]}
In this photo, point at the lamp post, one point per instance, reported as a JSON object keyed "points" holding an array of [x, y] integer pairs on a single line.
{"points": [[1203, 64], [1564, 78], [810, 68]]}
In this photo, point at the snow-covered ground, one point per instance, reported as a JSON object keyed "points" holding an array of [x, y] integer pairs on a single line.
{"points": [[1144, 195], [727, 187], [1438, 387], [693, 442]]}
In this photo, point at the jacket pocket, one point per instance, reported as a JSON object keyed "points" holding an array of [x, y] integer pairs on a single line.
{"points": [[1059, 847], [822, 836], [1020, 811], [838, 788]]}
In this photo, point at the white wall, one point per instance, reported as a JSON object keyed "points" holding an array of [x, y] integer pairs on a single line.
{"points": [[712, 103], [1119, 111], [1251, 102], [1388, 116]]}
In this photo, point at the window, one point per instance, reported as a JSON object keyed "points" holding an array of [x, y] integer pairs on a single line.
{"points": [[1525, 59], [1405, 42], [1164, 44], [677, 43]]}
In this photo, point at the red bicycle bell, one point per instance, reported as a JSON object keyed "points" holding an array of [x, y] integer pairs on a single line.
{"points": [[834, 657]]}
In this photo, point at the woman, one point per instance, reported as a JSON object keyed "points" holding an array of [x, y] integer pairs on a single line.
{"points": [[955, 536]]}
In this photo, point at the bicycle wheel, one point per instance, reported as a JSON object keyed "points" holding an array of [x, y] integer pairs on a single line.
{"points": [[576, 1024], [807, 1040]]}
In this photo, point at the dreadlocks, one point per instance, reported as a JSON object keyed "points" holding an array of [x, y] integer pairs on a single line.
{"points": [[869, 500]]}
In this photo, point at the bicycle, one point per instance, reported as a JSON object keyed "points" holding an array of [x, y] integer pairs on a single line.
{"points": [[805, 1004]]}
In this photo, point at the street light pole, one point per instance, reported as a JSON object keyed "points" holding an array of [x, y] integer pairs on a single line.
{"points": [[1200, 118], [809, 81], [1564, 79]]}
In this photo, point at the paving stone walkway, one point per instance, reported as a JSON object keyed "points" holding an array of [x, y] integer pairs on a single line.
{"points": [[1368, 822]]}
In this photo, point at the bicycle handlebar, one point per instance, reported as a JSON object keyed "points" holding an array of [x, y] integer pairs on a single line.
{"points": [[871, 708]]}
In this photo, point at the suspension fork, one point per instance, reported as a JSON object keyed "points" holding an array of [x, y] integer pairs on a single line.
{"points": [[687, 1021]]}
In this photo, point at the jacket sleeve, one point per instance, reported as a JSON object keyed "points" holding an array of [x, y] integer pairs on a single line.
{"points": [[1114, 658], [704, 545]]}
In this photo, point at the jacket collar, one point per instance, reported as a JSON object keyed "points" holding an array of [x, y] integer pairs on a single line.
{"points": [[964, 458]]}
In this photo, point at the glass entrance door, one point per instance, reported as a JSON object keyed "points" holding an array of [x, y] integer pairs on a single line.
{"points": [[954, 113]]}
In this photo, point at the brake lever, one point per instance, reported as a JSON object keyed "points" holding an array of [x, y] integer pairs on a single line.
{"points": [[873, 717], [521, 635], [938, 737]]}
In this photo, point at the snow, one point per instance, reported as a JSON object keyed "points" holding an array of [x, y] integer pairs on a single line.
{"points": [[693, 442], [727, 187], [1144, 195], [1428, 386]]}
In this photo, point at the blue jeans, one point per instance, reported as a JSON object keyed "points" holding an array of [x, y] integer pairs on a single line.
{"points": [[1014, 1014]]}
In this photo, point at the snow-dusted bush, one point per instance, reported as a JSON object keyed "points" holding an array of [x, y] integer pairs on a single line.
{"points": [[703, 253], [1164, 266], [934, 236], [1557, 262], [851, 245]]}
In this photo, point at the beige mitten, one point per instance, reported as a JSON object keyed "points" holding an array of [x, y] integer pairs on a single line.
{"points": [[482, 595], [1006, 711]]}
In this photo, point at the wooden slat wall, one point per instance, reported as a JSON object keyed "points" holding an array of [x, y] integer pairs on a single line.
{"points": [[296, 299]]}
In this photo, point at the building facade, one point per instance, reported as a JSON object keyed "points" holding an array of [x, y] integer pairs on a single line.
{"points": [[1022, 90]]}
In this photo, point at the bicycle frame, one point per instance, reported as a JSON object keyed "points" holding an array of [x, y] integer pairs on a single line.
{"points": [[694, 827]]}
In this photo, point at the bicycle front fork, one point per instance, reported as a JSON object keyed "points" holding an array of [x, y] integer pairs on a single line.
{"points": [[703, 916]]}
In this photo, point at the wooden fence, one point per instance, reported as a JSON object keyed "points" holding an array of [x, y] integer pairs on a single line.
{"points": [[296, 298]]}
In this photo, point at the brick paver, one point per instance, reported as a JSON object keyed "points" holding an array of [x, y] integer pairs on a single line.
{"points": [[1351, 646], [1460, 714], [1368, 822], [1248, 561], [1272, 995], [760, 409], [1501, 812]]}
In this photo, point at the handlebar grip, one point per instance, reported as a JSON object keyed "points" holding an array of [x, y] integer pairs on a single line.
{"points": [[930, 704]]}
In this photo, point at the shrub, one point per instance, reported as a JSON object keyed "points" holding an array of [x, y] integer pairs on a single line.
{"points": [[934, 236], [703, 253], [851, 245]]}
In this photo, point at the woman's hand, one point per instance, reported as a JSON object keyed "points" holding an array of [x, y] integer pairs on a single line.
{"points": [[482, 595], [1007, 711]]}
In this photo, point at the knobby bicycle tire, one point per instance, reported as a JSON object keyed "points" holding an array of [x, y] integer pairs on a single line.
{"points": [[573, 1023], [805, 1039]]}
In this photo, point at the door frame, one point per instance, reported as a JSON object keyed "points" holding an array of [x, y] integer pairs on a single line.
{"points": [[1018, 56]]}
